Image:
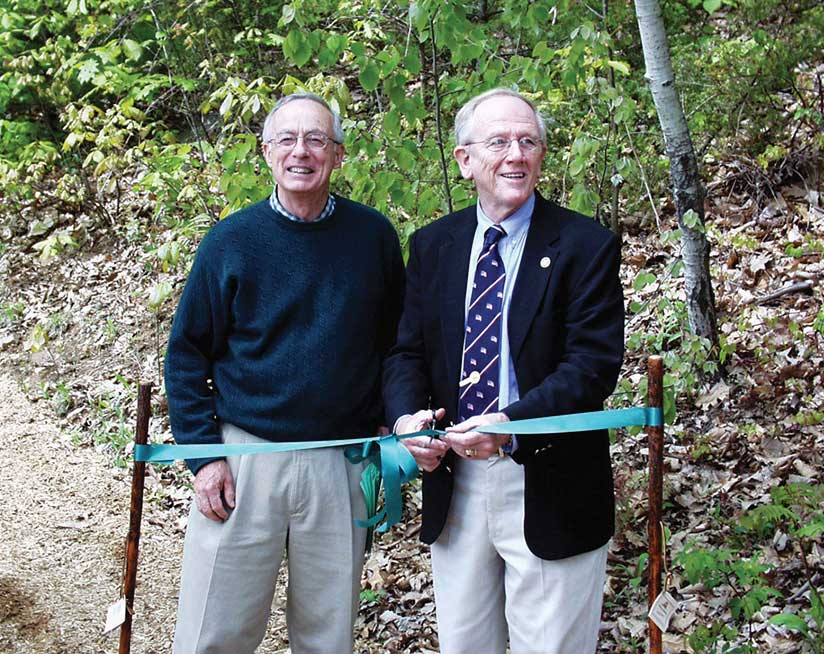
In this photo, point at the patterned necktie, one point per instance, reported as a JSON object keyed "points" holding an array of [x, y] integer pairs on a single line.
{"points": [[479, 377]]}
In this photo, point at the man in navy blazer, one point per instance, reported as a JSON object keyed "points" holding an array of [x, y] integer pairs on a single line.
{"points": [[519, 527]]}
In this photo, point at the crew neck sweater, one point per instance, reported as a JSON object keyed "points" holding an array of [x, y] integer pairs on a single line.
{"points": [[282, 327]]}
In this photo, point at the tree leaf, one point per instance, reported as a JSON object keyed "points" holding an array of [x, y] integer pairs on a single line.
{"points": [[790, 621], [297, 48], [620, 66], [419, 16], [643, 279], [226, 104], [412, 62], [132, 49], [76, 7], [368, 76], [711, 6], [88, 69]]}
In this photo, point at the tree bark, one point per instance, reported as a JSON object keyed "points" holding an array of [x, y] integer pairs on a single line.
{"points": [[688, 190]]}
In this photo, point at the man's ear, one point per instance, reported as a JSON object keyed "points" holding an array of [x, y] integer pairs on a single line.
{"points": [[266, 150], [339, 155], [461, 153]]}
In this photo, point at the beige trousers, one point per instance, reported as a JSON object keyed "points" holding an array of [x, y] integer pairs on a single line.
{"points": [[489, 585], [302, 503]]}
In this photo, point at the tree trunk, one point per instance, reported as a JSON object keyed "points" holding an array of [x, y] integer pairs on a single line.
{"points": [[688, 191]]}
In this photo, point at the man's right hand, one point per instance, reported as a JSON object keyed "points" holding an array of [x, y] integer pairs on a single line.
{"points": [[427, 451], [213, 486]]}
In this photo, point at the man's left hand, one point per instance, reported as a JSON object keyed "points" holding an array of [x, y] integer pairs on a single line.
{"points": [[472, 444]]}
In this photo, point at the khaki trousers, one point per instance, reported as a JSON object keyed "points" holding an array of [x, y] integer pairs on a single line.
{"points": [[489, 585], [302, 503]]}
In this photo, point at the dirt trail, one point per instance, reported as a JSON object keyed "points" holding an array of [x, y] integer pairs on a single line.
{"points": [[63, 522]]}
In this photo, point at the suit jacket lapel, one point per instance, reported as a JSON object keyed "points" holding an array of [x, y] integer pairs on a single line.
{"points": [[537, 263], [453, 265]]}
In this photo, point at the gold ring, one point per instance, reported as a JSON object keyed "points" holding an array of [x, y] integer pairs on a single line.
{"points": [[470, 452]]}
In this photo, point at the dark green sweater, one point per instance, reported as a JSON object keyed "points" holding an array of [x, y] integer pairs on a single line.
{"points": [[290, 321]]}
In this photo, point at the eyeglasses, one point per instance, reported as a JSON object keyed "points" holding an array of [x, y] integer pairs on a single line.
{"points": [[313, 140], [499, 143]]}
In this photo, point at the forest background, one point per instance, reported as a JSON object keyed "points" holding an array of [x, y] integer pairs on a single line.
{"points": [[128, 128]]}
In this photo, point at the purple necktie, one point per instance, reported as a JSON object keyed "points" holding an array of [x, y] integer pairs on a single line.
{"points": [[478, 389]]}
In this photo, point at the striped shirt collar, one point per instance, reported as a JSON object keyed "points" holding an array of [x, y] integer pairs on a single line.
{"points": [[278, 207]]}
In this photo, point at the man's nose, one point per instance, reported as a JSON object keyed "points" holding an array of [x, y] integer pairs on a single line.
{"points": [[300, 148], [517, 153]]}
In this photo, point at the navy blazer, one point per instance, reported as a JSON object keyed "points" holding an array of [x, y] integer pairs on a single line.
{"points": [[566, 336]]}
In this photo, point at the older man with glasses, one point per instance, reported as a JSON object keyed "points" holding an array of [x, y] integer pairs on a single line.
{"points": [[513, 310], [280, 335]]}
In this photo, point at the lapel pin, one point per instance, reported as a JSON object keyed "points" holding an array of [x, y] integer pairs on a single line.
{"points": [[545, 262]]}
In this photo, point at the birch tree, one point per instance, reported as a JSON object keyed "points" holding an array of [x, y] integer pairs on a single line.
{"points": [[687, 188]]}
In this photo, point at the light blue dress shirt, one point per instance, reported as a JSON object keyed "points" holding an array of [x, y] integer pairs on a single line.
{"points": [[511, 249]]}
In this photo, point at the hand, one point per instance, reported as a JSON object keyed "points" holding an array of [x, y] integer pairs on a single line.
{"points": [[461, 437], [213, 486], [427, 451]]}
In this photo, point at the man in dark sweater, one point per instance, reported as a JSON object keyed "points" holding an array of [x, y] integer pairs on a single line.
{"points": [[288, 311]]}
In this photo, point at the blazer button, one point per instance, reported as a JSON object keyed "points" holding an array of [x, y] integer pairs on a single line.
{"points": [[545, 262]]}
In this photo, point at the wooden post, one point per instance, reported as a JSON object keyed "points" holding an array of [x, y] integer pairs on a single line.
{"points": [[141, 436], [655, 443]]}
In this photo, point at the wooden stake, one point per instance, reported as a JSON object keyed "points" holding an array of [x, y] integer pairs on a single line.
{"points": [[141, 437], [655, 443]]}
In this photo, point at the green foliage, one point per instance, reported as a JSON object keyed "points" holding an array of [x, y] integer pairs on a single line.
{"points": [[747, 580], [795, 510], [714, 638], [767, 42], [108, 426], [119, 109], [11, 312], [172, 96]]}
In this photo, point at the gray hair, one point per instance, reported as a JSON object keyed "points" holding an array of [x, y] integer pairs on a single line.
{"points": [[463, 119], [337, 126]]}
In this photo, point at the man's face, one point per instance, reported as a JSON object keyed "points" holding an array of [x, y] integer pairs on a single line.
{"points": [[302, 170], [504, 180]]}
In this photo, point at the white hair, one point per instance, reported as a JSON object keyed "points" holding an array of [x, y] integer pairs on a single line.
{"points": [[337, 126], [463, 119]]}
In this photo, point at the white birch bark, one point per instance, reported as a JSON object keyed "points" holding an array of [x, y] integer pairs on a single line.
{"points": [[688, 191]]}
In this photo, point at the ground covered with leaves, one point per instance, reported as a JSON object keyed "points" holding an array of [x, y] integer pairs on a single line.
{"points": [[743, 505]]}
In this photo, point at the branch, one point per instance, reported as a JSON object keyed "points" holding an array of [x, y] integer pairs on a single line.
{"points": [[799, 287], [438, 116]]}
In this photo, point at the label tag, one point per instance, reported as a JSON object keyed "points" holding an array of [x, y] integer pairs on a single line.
{"points": [[662, 610], [115, 615]]}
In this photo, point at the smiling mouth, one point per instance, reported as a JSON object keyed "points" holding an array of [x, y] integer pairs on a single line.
{"points": [[513, 175], [300, 170]]}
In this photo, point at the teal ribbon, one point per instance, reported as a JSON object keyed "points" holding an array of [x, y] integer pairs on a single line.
{"points": [[389, 461], [397, 466], [572, 422], [165, 454]]}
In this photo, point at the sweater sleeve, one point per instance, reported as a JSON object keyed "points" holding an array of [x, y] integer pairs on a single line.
{"points": [[197, 338]]}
